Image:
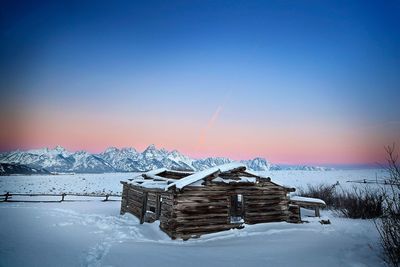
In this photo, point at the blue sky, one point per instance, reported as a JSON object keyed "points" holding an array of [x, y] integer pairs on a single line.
{"points": [[277, 66]]}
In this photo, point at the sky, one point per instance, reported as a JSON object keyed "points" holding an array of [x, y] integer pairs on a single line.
{"points": [[296, 82]]}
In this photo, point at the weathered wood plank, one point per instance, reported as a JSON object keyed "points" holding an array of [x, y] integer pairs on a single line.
{"points": [[144, 205]]}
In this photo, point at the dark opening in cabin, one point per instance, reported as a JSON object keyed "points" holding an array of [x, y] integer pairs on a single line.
{"points": [[237, 208]]}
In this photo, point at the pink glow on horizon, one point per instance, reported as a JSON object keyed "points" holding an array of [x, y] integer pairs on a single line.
{"points": [[295, 144]]}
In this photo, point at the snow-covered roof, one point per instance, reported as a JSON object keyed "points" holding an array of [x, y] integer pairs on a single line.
{"points": [[203, 174], [255, 174], [308, 200], [156, 171], [155, 182], [242, 179], [153, 179]]}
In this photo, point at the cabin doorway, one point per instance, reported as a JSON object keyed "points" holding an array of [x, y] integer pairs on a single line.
{"points": [[237, 209]]}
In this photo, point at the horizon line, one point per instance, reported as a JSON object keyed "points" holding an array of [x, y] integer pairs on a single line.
{"points": [[279, 163]]}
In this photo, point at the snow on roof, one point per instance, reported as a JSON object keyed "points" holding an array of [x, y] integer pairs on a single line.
{"points": [[156, 171], [307, 199], [151, 184], [256, 174], [202, 174], [156, 182], [242, 179], [154, 177]]}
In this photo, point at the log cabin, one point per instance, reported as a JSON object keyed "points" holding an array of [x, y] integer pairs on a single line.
{"points": [[191, 204]]}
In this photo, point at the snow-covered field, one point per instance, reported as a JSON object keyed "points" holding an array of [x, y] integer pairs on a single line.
{"points": [[92, 233], [110, 182]]}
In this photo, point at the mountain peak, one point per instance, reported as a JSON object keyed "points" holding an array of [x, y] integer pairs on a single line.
{"points": [[175, 152], [127, 160], [111, 149], [59, 148], [151, 147], [129, 150]]}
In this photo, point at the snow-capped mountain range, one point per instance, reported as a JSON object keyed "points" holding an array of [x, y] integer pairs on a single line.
{"points": [[59, 160]]}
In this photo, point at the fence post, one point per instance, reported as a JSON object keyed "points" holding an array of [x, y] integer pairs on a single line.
{"points": [[62, 197], [106, 197], [7, 195]]}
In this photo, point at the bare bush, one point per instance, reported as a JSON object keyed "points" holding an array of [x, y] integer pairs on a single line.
{"points": [[355, 203], [321, 191], [388, 225], [359, 204]]}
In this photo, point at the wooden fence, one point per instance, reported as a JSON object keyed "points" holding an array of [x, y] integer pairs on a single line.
{"points": [[370, 181], [8, 197]]}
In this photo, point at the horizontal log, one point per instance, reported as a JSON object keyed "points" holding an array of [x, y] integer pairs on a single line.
{"points": [[134, 189], [200, 223], [262, 214], [134, 198], [154, 199], [205, 193], [166, 208], [167, 195], [133, 202], [230, 188], [184, 205], [198, 212], [202, 216], [197, 234], [266, 220], [209, 228], [263, 203], [248, 204], [306, 204], [266, 217], [184, 198], [266, 196], [164, 220], [151, 203], [167, 202], [202, 209], [133, 210], [203, 202], [260, 207], [264, 210], [145, 189], [166, 213]]}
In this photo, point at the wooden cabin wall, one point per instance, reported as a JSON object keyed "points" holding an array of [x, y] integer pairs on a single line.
{"points": [[266, 203], [167, 213], [195, 210], [294, 214], [132, 199], [124, 198], [151, 207]]}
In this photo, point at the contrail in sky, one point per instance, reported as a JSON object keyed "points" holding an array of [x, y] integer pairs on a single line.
{"points": [[212, 121]]}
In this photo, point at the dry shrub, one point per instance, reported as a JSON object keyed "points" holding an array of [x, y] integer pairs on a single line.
{"points": [[355, 203], [322, 191], [359, 203], [388, 225]]}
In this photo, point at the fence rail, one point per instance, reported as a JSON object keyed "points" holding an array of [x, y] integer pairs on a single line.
{"points": [[8, 197], [367, 181]]}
